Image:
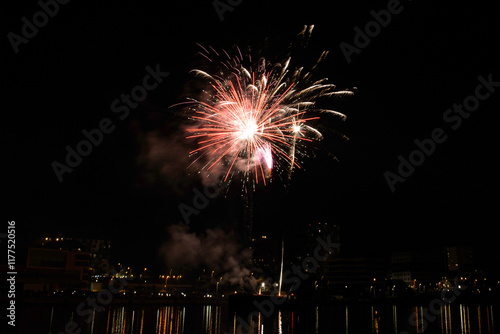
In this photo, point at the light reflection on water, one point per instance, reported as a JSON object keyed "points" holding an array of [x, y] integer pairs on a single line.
{"points": [[215, 319]]}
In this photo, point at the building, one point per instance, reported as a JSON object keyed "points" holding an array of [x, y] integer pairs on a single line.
{"points": [[417, 268], [358, 271], [354, 276], [325, 231], [267, 255], [59, 262], [100, 250], [56, 269], [459, 260]]}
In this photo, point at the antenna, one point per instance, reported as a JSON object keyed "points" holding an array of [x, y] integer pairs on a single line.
{"points": [[281, 272]]}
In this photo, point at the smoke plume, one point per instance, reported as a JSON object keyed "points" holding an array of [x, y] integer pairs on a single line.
{"points": [[216, 249]]}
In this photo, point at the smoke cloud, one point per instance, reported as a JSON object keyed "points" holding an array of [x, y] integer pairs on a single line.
{"points": [[166, 160], [216, 249]]}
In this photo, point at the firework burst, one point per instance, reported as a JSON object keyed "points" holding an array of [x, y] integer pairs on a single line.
{"points": [[256, 118]]}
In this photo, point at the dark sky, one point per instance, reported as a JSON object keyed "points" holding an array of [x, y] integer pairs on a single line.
{"points": [[425, 60]]}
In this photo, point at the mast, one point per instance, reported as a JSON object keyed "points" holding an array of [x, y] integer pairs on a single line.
{"points": [[281, 271]]}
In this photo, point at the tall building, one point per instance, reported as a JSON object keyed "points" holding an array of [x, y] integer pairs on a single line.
{"points": [[460, 260], [325, 231], [99, 256], [267, 255]]}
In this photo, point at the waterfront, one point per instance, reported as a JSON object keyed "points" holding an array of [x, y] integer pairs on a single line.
{"points": [[349, 318]]}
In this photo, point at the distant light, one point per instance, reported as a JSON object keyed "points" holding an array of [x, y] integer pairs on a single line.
{"points": [[264, 237]]}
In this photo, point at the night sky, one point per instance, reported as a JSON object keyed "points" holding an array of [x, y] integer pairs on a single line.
{"points": [[425, 60]]}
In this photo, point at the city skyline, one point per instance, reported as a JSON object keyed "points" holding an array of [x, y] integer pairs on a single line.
{"points": [[59, 265]]}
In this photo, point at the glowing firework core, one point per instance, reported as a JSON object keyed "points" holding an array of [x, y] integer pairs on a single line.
{"points": [[249, 129]]}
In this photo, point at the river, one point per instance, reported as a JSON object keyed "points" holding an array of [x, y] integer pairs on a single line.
{"points": [[214, 319]]}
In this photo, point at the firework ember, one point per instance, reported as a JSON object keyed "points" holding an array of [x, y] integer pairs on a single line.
{"points": [[256, 118]]}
